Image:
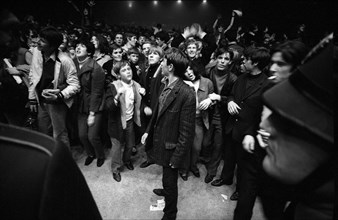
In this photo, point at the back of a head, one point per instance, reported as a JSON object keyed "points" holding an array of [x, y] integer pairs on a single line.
{"points": [[178, 59], [261, 56], [164, 36]]}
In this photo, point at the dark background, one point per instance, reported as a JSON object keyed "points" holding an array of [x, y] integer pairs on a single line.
{"points": [[318, 14]]}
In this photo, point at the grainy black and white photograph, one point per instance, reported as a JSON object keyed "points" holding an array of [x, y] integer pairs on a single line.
{"points": [[168, 109]]}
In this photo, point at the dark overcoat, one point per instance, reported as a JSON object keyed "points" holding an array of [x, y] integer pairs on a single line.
{"points": [[92, 79], [171, 131]]}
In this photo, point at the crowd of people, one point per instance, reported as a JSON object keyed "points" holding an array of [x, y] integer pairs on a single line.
{"points": [[189, 97]]}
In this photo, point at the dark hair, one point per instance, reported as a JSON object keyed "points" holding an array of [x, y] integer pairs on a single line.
{"points": [[129, 35], [118, 65], [103, 43], [164, 36], [261, 56], [114, 47], [221, 50], [178, 59], [89, 45], [198, 71], [133, 50], [52, 35], [293, 52]]}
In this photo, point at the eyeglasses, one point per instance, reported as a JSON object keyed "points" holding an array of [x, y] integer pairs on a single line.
{"points": [[263, 137]]}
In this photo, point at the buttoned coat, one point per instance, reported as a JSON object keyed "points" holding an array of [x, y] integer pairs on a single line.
{"points": [[171, 131], [92, 79], [250, 102]]}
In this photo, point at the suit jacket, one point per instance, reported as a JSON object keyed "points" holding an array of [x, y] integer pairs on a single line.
{"points": [[40, 180], [171, 131], [92, 79], [65, 77], [250, 102]]}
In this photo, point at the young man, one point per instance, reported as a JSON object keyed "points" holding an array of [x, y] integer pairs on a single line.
{"points": [[53, 84], [245, 107], [299, 135], [118, 40], [123, 103], [130, 43], [172, 126]]}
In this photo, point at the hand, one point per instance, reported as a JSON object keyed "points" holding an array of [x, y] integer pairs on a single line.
{"points": [[142, 91], [215, 97], [148, 111], [171, 166], [33, 105], [49, 96], [233, 108], [186, 32], [90, 120], [248, 143], [144, 138], [205, 104], [13, 71]]}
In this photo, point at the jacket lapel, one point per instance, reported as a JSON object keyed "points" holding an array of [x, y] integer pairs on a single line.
{"points": [[171, 97], [57, 69], [88, 66]]}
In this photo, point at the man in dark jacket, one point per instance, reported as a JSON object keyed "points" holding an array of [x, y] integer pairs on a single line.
{"points": [[245, 107], [172, 126], [299, 135]]}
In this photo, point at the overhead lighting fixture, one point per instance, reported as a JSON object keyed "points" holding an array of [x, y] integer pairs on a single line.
{"points": [[130, 4], [204, 1], [179, 1], [155, 2]]}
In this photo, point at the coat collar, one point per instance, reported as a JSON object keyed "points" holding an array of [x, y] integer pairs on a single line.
{"points": [[88, 66]]}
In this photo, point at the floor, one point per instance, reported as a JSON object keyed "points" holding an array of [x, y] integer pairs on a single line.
{"points": [[132, 197]]}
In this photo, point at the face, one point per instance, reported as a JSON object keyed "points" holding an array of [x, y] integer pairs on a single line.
{"points": [[72, 52], [279, 68], [189, 74], [95, 42], [117, 54], [141, 39], [159, 41], [81, 51], [289, 158], [119, 39], [223, 61], [165, 67], [220, 29], [192, 50], [126, 74], [247, 65], [153, 58], [132, 41], [133, 58], [145, 49], [43, 45]]}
